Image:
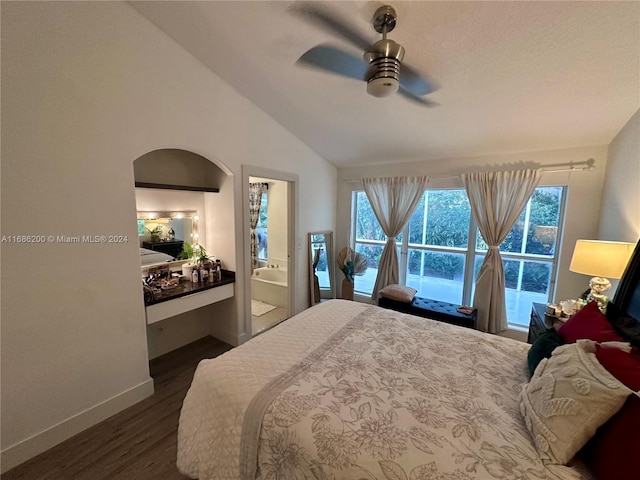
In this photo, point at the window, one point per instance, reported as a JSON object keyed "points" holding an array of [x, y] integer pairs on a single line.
{"points": [[261, 228], [370, 240], [444, 249], [438, 240], [528, 253]]}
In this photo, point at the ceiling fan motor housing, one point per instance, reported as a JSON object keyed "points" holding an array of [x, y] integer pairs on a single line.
{"points": [[383, 76]]}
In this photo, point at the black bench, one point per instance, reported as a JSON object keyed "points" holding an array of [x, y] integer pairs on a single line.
{"points": [[434, 309]]}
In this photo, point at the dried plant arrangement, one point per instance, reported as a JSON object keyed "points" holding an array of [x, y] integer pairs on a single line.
{"points": [[351, 263]]}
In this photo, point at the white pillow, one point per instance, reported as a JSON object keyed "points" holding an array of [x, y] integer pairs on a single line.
{"points": [[397, 292], [570, 395]]}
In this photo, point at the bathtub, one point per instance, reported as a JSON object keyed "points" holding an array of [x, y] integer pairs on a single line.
{"points": [[269, 285]]}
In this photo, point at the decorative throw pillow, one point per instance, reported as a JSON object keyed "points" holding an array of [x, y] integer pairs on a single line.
{"points": [[589, 323], [613, 454], [610, 452], [622, 365], [542, 348], [401, 293], [568, 398]]}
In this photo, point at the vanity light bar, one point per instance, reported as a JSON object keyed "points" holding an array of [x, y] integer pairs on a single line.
{"points": [[154, 215], [195, 234]]}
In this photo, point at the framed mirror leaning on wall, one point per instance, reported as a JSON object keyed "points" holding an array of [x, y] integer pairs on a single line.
{"points": [[321, 267]]}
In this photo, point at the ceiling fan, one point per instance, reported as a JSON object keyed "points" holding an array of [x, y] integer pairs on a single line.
{"points": [[381, 65]]}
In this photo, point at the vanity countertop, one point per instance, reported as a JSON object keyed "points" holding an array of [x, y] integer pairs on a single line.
{"points": [[187, 288]]}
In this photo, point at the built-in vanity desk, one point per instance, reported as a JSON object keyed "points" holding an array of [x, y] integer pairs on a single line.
{"points": [[187, 296]]}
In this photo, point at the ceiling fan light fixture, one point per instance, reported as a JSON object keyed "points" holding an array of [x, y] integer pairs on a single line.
{"points": [[383, 77], [384, 57], [382, 86], [382, 60], [384, 48]]}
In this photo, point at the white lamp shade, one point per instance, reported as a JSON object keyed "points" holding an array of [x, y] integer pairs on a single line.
{"points": [[600, 258]]}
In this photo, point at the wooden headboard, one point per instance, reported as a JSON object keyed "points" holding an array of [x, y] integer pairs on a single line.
{"points": [[624, 310]]}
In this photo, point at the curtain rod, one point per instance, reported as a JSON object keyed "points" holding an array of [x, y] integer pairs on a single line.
{"points": [[587, 165]]}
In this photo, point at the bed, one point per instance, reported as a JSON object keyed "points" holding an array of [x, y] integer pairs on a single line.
{"points": [[151, 257], [348, 391]]}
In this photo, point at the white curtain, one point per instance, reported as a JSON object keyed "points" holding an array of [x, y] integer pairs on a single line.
{"points": [[393, 201], [497, 200]]}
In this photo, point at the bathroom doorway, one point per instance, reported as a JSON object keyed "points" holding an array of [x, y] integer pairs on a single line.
{"points": [[270, 239]]}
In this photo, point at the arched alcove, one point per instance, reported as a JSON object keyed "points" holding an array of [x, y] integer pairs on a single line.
{"points": [[177, 169], [172, 183]]}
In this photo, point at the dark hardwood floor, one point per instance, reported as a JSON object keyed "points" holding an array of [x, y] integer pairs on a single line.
{"points": [[138, 443]]}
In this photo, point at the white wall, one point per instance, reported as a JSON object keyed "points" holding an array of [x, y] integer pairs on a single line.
{"points": [[87, 88], [583, 203], [620, 212], [226, 319]]}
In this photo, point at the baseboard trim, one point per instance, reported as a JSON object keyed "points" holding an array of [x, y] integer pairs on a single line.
{"points": [[226, 337], [516, 333], [26, 449], [245, 337]]}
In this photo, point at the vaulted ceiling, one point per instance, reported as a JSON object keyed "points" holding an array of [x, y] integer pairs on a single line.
{"points": [[512, 76]]}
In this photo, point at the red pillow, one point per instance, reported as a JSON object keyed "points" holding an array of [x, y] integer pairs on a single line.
{"points": [[588, 323], [622, 365], [612, 453]]}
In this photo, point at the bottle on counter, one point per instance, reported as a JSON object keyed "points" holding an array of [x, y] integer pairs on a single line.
{"points": [[212, 275], [218, 270], [204, 275], [194, 275]]}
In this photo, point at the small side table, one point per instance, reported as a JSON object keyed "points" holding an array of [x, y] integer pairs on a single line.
{"points": [[540, 321]]}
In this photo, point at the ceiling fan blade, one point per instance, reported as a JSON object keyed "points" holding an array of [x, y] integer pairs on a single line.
{"points": [[319, 15], [334, 60], [415, 82], [415, 98]]}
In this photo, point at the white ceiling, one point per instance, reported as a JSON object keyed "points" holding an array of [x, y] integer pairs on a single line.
{"points": [[513, 76]]}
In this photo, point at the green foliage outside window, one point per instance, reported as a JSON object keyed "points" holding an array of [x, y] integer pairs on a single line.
{"points": [[545, 211], [262, 229], [262, 216], [439, 265], [447, 217], [367, 226]]}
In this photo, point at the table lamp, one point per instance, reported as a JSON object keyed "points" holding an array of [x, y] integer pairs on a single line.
{"points": [[603, 260]]}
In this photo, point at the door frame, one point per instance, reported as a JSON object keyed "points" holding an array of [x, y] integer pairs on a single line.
{"points": [[292, 225]]}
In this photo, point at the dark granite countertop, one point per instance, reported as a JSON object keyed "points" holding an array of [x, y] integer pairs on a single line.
{"points": [[186, 287]]}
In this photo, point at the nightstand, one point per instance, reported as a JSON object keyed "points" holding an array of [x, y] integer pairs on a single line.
{"points": [[540, 321], [170, 247]]}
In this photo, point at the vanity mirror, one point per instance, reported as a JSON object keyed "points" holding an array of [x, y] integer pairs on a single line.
{"points": [[166, 232], [321, 268]]}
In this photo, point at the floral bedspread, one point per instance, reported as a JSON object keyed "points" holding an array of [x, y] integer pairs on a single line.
{"points": [[395, 397], [345, 391]]}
